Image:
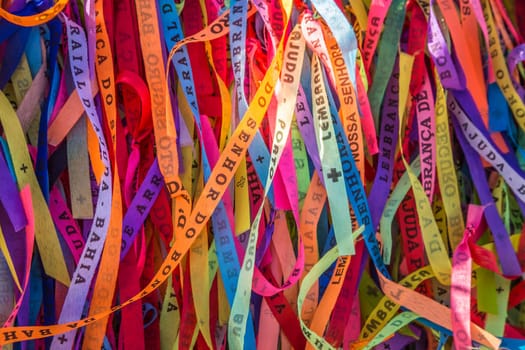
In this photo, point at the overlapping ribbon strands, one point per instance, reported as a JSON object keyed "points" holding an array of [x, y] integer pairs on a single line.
{"points": [[264, 174]]}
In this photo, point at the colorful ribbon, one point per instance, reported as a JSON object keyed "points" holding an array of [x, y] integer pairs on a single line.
{"points": [[262, 174]]}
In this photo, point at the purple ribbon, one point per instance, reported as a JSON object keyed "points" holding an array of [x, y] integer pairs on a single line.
{"points": [[450, 77], [515, 56], [509, 261], [140, 206], [10, 198], [387, 149]]}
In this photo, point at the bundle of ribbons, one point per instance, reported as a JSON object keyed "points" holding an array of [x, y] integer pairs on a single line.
{"points": [[270, 174]]}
